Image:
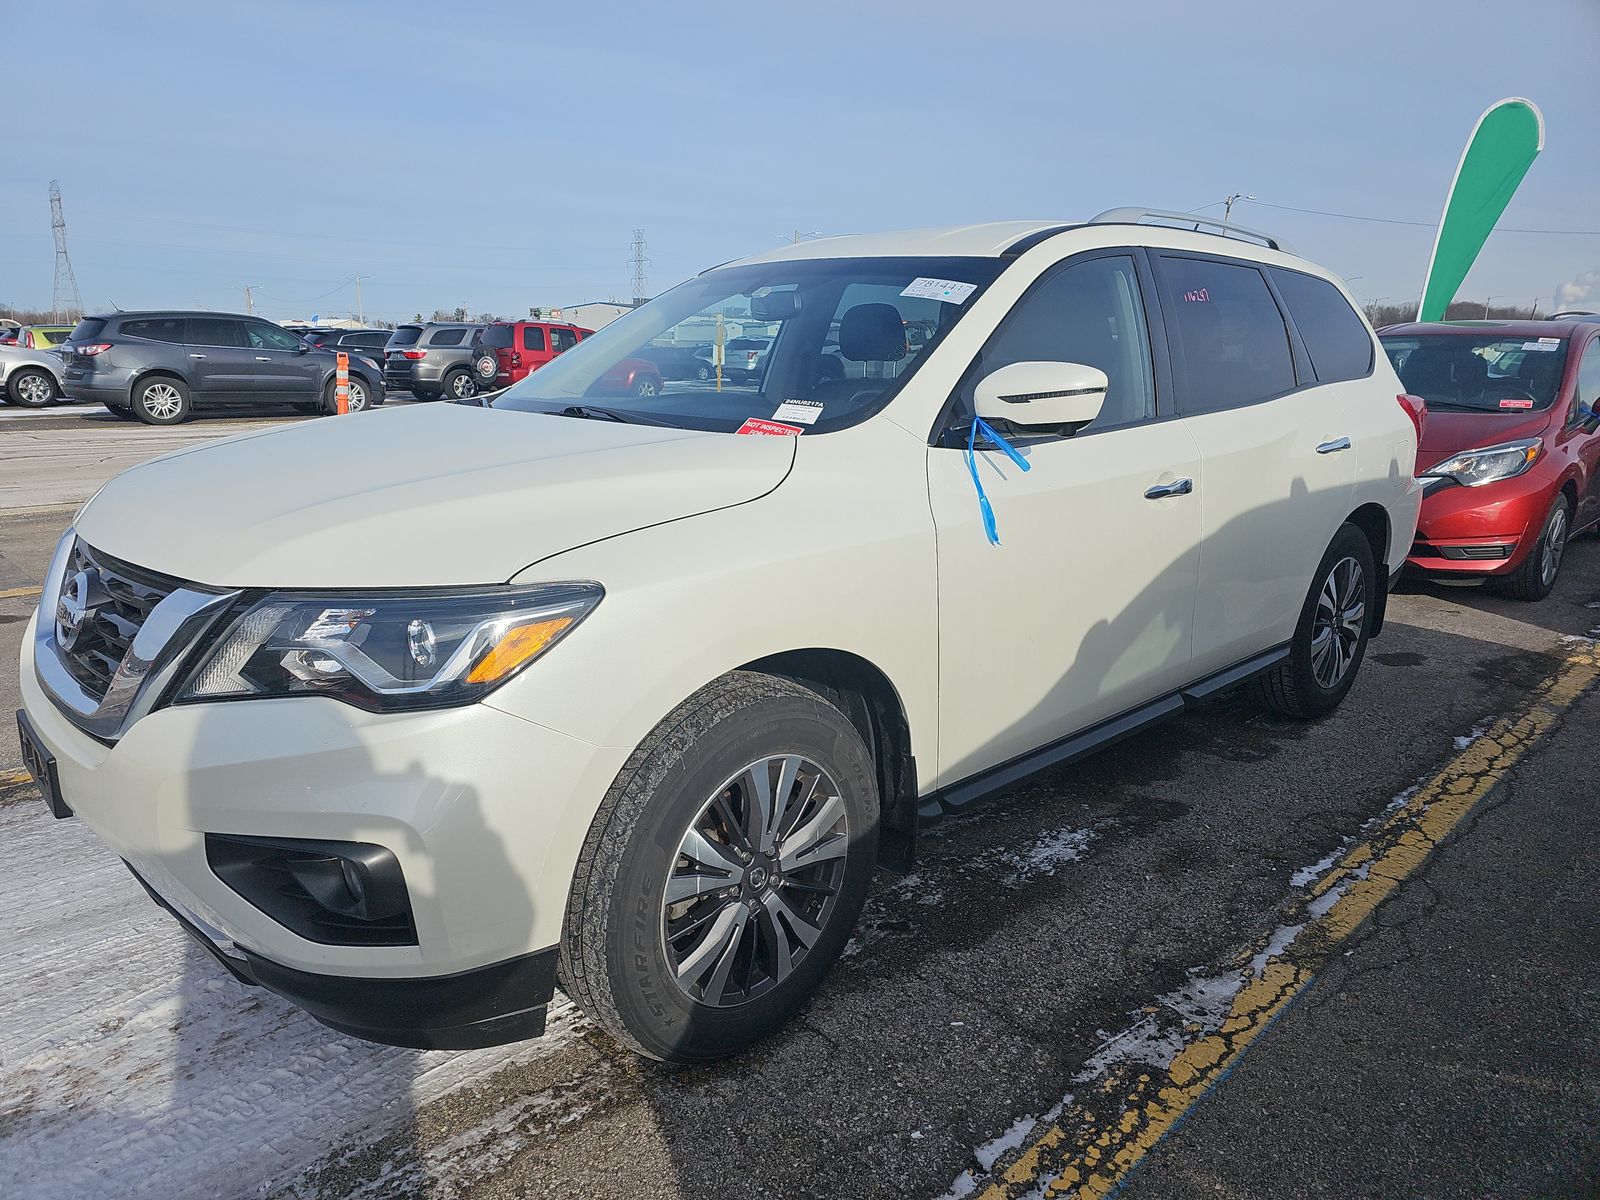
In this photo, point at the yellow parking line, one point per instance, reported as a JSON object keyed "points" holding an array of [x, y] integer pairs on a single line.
{"points": [[12, 778], [1102, 1134], [18, 593]]}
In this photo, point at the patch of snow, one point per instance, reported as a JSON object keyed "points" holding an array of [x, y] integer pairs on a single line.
{"points": [[1048, 853], [1463, 741], [990, 1152]]}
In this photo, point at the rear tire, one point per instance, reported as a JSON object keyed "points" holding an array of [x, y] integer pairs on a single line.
{"points": [[32, 387], [162, 401], [674, 996], [458, 384], [1536, 577], [1330, 639]]}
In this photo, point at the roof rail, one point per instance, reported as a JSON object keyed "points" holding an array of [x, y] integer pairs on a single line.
{"points": [[1223, 228]]}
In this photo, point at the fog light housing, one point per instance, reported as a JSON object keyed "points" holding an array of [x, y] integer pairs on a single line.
{"points": [[334, 893]]}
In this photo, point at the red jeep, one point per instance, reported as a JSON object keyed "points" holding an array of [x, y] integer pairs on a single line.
{"points": [[510, 349]]}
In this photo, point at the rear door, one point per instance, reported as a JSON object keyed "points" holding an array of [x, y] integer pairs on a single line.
{"points": [[1276, 467], [535, 347], [283, 374], [1582, 429], [221, 364]]}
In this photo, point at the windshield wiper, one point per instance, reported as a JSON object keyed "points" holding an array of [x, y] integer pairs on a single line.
{"points": [[592, 412]]}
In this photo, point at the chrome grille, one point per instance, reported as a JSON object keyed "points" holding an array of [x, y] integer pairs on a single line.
{"points": [[121, 598]]}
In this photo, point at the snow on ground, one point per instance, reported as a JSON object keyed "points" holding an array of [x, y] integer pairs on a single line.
{"points": [[132, 1065]]}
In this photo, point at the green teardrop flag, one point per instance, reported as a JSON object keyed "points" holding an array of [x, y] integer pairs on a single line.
{"points": [[1502, 147]]}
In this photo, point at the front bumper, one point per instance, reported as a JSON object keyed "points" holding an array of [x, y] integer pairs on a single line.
{"points": [[489, 1006], [465, 799], [1477, 533]]}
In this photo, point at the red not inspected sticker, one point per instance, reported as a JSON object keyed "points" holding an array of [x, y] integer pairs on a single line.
{"points": [[1516, 403], [762, 428]]}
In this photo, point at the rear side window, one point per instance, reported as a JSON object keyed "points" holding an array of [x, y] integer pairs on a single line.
{"points": [[1334, 337], [1228, 337], [498, 335], [208, 331], [532, 337], [447, 337], [563, 339], [155, 329], [86, 329]]}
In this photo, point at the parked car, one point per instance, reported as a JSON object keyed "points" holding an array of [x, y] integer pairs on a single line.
{"points": [[680, 362], [427, 712], [744, 357], [508, 350], [42, 337], [1511, 452], [367, 343], [29, 378], [432, 360], [161, 366]]}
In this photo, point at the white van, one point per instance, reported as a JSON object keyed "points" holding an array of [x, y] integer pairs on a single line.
{"points": [[633, 692]]}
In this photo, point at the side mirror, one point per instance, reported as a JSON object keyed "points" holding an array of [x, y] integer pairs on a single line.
{"points": [[303, 348], [1042, 394]]}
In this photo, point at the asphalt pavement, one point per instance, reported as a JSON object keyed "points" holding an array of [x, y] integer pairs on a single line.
{"points": [[1234, 956]]}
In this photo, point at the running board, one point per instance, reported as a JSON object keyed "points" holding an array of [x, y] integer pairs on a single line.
{"points": [[958, 797]]}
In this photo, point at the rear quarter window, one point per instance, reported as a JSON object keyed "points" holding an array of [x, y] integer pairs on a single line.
{"points": [[447, 337], [1231, 345], [155, 329], [1334, 336]]}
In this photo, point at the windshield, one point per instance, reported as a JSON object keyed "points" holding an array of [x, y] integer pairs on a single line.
{"points": [[1479, 374], [795, 346]]}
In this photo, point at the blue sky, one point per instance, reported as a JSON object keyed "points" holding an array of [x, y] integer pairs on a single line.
{"points": [[500, 155]]}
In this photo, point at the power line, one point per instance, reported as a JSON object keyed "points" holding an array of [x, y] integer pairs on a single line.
{"points": [[1344, 216], [66, 282]]}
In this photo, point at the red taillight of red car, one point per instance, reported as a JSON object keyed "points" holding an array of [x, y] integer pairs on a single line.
{"points": [[416, 354], [90, 349], [516, 359], [1417, 409]]}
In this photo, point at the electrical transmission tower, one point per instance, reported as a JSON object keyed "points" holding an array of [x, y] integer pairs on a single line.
{"points": [[66, 287], [639, 260]]}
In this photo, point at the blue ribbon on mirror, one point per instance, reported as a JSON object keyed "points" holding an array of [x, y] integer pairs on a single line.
{"points": [[979, 425]]}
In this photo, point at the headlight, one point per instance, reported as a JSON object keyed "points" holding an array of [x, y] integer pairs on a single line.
{"points": [[385, 651], [1477, 467]]}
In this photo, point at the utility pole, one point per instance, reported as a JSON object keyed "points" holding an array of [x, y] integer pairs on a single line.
{"points": [[66, 284], [1486, 308], [639, 261], [249, 300], [360, 312]]}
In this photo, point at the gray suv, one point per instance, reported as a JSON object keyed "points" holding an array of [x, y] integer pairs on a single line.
{"points": [[161, 366], [432, 360]]}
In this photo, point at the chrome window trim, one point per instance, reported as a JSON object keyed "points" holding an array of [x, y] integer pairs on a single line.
{"points": [[154, 657]]}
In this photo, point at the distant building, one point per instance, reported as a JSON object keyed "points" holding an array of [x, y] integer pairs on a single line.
{"points": [[594, 314]]}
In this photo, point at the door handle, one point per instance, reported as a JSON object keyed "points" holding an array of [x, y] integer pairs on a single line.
{"points": [[1160, 491], [263, 358], [1334, 446], [197, 356]]}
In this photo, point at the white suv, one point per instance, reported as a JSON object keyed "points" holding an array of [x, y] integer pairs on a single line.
{"points": [[634, 692]]}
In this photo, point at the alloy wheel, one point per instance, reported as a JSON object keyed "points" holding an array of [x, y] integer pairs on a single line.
{"points": [[463, 386], [1336, 629], [756, 877], [1555, 545], [161, 400], [356, 397], [35, 389]]}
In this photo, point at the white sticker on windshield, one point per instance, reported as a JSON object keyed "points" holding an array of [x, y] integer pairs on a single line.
{"points": [[951, 291], [1541, 345], [805, 412]]}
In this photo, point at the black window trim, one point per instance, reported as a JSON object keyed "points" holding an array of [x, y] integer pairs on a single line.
{"points": [[950, 433], [1305, 378], [1373, 349]]}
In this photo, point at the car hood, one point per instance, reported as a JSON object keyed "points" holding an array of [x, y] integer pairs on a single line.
{"points": [[421, 496], [1447, 431]]}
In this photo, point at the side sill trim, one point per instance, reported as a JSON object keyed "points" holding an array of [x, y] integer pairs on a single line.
{"points": [[960, 795]]}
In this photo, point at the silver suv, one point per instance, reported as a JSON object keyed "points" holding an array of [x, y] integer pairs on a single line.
{"points": [[432, 360]]}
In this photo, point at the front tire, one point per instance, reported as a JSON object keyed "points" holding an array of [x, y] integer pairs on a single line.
{"points": [[358, 398], [1536, 577], [1330, 639], [723, 872], [161, 401], [32, 388]]}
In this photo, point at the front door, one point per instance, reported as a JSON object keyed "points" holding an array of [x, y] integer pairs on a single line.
{"points": [[1085, 608], [1277, 458], [1580, 429], [221, 364], [284, 373]]}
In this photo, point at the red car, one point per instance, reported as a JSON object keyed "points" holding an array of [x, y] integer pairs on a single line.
{"points": [[517, 347], [1510, 453]]}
